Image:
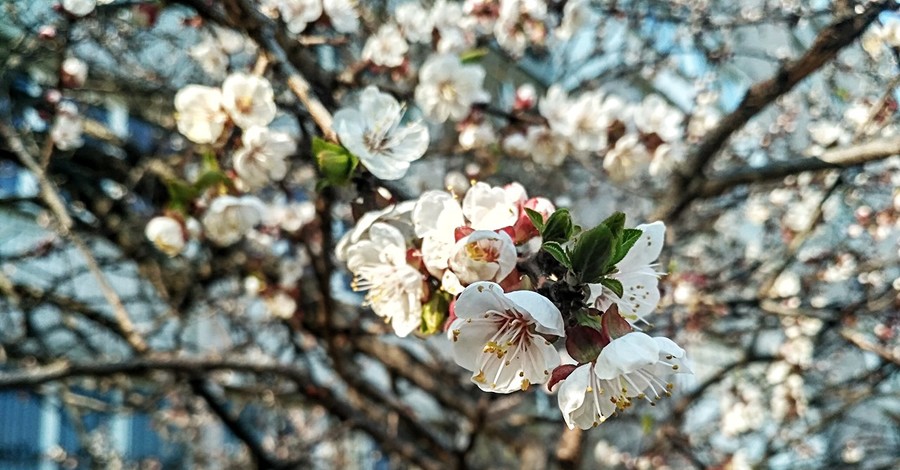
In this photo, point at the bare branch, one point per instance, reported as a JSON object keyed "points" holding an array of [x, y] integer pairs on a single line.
{"points": [[65, 224], [844, 157], [831, 40]]}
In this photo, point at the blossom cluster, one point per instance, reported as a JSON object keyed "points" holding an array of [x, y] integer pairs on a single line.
{"points": [[525, 296], [631, 138], [419, 253], [468, 267]]}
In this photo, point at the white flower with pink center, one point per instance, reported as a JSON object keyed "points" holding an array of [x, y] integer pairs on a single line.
{"points": [[395, 289], [483, 255], [199, 114], [387, 47], [631, 366], [167, 234], [491, 207], [503, 338], [261, 158], [249, 100], [448, 88]]}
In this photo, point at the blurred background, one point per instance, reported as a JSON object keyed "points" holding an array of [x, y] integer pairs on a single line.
{"points": [[779, 187]]}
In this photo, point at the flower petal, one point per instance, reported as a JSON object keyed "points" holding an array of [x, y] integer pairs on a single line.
{"points": [[480, 298], [647, 249], [545, 314]]}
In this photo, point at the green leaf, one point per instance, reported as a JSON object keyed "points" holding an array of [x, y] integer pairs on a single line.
{"points": [[591, 253], [558, 227], [473, 55], [647, 423], [335, 162], [210, 179], [556, 250], [210, 162], [434, 313], [589, 317], [616, 224], [537, 219], [181, 193], [614, 285], [630, 236]]}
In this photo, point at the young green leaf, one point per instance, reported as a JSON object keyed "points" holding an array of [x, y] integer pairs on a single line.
{"points": [[180, 194], [630, 236], [434, 313], [616, 224], [537, 219], [592, 252], [210, 179], [473, 55], [556, 250], [558, 227], [335, 162], [614, 285]]}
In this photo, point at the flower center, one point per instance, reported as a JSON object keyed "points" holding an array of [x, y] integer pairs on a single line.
{"points": [[447, 91], [487, 253], [244, 104]]}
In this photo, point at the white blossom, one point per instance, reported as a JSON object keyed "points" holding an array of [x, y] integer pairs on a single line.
{"points": [[655, 116], [503, 337], [491, 208], [261, 156], [546, 146], [79, 7], [395, 289], [397, 215], [415, 22], [576, 14], [631, 366], [447, 89], [298, 13], [75, 70], [67, 127], [373, 133], [628, 158], [483, 255], [387, 47], [343, 15], [167, 234], [292, 216], [281, 305], [211, 57], [199, 114], [435, 218], [638, 276], [249, 100], [586, 123], [555, 107], [228, 219], [475, 136]]}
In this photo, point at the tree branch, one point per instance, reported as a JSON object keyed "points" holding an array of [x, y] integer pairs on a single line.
{"points": [[843, 157], [219, 406], [689, 180], [65, 225]]}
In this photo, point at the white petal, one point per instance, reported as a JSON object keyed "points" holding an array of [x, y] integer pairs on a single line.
{"points": [[468, 344], [572, 394], [545, 314], [434, 207], [626, 354], [647, 249], [480, 298]]}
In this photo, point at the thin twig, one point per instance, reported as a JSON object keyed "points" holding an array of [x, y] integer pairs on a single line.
{"points": [[65, 225]]}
